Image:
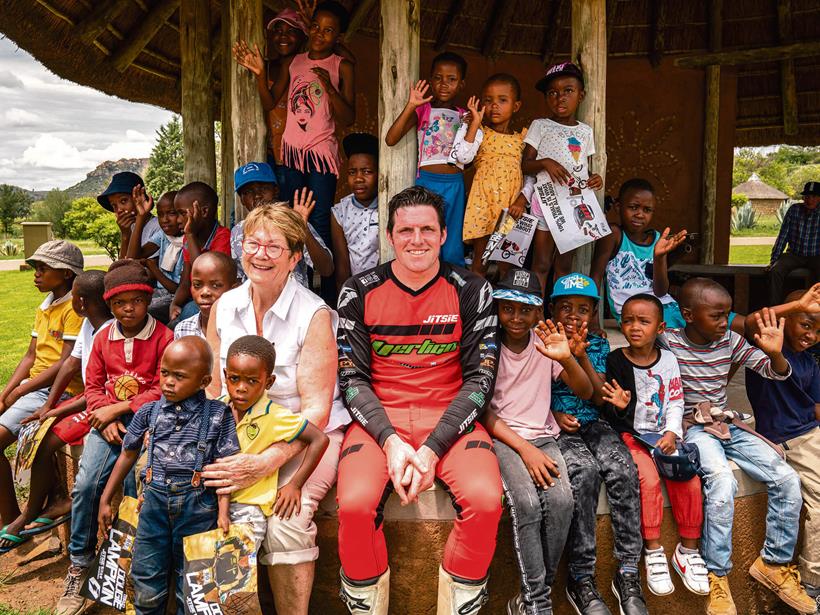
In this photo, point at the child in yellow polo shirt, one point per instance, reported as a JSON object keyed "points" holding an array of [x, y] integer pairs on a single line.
{"points": [[261, 423], [56, 326]]}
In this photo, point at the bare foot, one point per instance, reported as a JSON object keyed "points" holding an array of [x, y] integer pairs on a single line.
{"points": [[53, 511]]}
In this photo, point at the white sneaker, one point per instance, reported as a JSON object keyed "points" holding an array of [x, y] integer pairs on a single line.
{"points": [[658, 579], [692, 570]]}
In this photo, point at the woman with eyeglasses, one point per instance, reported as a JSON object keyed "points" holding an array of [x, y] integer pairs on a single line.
{"points": [[273, 304]]}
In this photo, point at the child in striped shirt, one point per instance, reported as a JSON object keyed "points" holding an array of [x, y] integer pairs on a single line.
{"points": [[706, 349]]}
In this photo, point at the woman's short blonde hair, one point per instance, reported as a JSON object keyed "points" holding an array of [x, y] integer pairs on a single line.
{"points": [[279, 217]]}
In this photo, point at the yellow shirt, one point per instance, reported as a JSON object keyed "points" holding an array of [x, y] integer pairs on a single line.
{"points": [[54, 323], [265, 423]]}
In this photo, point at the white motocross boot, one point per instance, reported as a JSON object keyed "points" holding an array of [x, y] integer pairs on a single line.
{"points": [[458, 596], [370, 599]]}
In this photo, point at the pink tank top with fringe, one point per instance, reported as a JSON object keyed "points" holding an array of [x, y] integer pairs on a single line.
{"points": [[309, 135]]}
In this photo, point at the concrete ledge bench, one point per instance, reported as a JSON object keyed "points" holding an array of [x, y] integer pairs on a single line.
{"points": [[747, 283], [416, 535]]}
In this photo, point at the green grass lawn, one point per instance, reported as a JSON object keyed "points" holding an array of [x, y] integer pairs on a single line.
{"points": [[88, 247], [767, 226], [18, 300], [749, 255]]}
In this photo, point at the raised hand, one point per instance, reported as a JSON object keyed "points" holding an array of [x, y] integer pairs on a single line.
{"points": [[476, 113], [303, 203], [142, 201], [306, 8], [770, 336], [247, 58], [558, 174], [556, 345], [418, 94], [578, 343], [666, 242], [810, 301], [615, 395]]}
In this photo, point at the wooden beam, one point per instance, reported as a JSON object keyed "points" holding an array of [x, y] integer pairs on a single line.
{"points": [[399, 43], [657, 33], [788, 82], [499, 25], [589, 52], [226, 140], [360, 14], [710, 137], [146, 30], [247, 119], [750, 56], [197, 104], [94, 24], [446, 31], [555, 22]]}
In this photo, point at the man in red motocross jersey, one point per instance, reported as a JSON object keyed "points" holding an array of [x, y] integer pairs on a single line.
{"points": [[417, 363]]}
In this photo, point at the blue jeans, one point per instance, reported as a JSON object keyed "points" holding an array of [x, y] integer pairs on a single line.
{"points": [[541, 520], [173, 509], [761, 462], [96, 465]]}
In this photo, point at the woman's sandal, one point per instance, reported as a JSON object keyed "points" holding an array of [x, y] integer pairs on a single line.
{"points": [[17, 540], [46, 525]]}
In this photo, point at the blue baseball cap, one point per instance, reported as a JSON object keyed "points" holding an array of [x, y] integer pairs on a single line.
{"points": [[253, 172], [575, 285]]}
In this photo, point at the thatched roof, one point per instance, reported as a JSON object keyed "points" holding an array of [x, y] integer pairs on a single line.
{"points": [[754, 188], [50, 29]]}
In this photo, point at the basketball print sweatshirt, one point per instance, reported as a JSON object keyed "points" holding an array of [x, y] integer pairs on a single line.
{"points": [[122, 368]]}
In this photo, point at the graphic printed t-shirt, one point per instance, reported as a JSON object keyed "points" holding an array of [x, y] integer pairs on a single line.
{"points": [[564, 400], [264, 424], [54, 323], [656, 405], [360, 225], [570, 146], [437, 128], [784, 409], [523, 390]]}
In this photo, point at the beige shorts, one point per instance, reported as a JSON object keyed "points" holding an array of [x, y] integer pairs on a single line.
{"points": [[253, 516], [293, 541]]}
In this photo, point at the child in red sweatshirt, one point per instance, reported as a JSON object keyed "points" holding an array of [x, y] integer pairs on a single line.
{"points": [[122, 375]]}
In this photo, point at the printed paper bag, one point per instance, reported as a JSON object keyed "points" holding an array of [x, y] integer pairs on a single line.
{"points": [[220, 572], [106, 582], [572, 213]]}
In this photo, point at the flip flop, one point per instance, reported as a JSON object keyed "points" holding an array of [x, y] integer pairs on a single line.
{"points": [[17, 540], [47, 524]]}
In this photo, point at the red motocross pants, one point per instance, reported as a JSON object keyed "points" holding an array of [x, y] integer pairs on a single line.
{"points": [[469, 472]]}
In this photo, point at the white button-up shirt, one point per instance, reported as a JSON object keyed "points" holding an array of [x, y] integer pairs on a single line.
{"points": [[286, 325]]}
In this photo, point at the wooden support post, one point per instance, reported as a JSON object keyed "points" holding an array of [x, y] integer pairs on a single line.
{"points": [[751, 56], [589, 52], [95, 23], [226, 152], [788, 83], [137, 40], [197, 103], [398, 70], [657, 33], [247, 119], [710, 138]]}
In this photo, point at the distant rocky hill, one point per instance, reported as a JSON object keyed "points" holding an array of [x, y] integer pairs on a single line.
{"points": [[96, 181]]}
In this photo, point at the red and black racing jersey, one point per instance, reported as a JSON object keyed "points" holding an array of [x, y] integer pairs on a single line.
{"points": [[431, 350]]}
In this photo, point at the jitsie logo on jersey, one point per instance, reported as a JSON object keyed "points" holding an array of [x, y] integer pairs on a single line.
{"points": [[433, 319], [385, 349]]}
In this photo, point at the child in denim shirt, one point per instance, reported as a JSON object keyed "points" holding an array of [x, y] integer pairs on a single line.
{"points": [[186, 431]]}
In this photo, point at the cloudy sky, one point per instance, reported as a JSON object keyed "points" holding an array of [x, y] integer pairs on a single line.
{"points": [[53, 132]]}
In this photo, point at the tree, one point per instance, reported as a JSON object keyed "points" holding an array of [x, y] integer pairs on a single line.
{"points": [[79, 219], [14, 203], [106, 234], [167, 160], [53, 209]]}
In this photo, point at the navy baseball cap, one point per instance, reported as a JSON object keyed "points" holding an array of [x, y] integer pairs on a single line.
{"points": [[253, 172], [519, 285], [121, 183], [811, 189], [564, 69], [575, 285]]}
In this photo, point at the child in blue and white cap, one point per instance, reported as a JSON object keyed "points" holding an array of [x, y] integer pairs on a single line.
{"points": [[594, 452]]}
